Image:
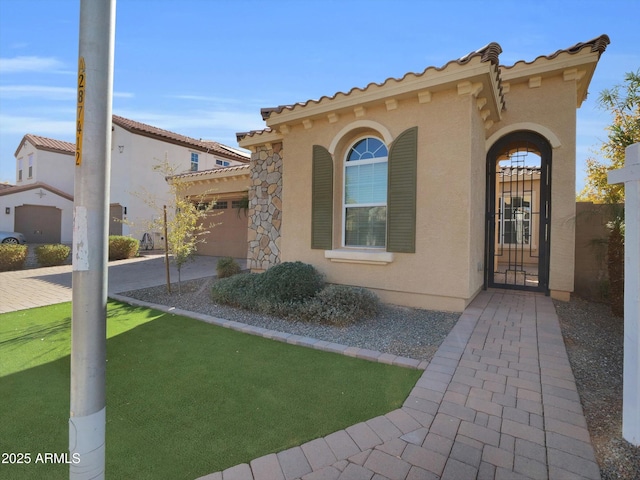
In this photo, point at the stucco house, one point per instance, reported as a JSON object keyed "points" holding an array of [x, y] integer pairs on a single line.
{"points": [[228, 187], [428, 188], [40, 205]]}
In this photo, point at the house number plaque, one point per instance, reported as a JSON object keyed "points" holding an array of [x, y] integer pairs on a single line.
{"points": [[80, 112]]}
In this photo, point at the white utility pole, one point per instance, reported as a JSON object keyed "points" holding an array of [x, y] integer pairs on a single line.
{"points": [[630, 176], [87, 417]]}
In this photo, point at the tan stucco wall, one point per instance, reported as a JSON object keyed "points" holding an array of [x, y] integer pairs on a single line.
{"points": [[227, 228], [455, 132], [447, 240], [553, 106]]}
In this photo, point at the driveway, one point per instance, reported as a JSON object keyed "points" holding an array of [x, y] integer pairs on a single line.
{"points": [[45, 286]]}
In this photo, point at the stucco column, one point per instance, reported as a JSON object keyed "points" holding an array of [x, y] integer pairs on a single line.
{"points": [[630, 176]]}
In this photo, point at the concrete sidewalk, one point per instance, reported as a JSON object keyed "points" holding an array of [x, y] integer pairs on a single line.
{"points": [[497, 401], [38, 287]]}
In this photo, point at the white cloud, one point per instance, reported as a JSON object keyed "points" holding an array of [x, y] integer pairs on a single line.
{"points": [[14, 92], [60, 129], [219, 100], [30, 64], [36, 91]]}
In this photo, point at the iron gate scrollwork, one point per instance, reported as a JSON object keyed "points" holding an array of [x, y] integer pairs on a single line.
{"points": [[518, 213]]}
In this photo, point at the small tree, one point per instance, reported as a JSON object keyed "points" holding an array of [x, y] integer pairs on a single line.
{"points": [[186, 218], [186, 224], [623, 102]]}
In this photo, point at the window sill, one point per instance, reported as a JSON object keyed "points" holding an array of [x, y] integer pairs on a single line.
{"points": [[369, 257]]}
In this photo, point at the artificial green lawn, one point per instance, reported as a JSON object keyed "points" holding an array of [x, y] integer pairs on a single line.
{"points": [[184, 398]]}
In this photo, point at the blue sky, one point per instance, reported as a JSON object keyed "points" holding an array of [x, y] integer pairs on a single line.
{"points": [[204, 68]]}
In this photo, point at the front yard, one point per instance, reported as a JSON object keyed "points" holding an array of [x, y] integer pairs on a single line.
{"points": [[184, 398]]}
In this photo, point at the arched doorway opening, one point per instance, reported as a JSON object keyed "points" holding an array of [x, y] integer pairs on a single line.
{"points": [[518, 207]]}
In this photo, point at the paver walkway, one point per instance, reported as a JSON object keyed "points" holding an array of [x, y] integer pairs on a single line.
{"points": [[497, 401]]}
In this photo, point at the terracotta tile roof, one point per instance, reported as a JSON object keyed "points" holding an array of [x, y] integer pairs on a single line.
{"points": [[488, 53], [49, 144], [5, 185], [172, 137], [32, 186], [598, 44], [237, 169], [241, 135], [516, 171], [219, 149]]}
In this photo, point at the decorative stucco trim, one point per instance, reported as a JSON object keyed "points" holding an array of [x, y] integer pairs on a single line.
{"points": [[381, 129], [359, 256], [535, 82], [258, 138], [424, 96], [360, 111], [534, 127]]}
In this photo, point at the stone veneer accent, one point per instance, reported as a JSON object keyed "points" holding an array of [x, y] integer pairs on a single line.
{"points": [[265, 207]]}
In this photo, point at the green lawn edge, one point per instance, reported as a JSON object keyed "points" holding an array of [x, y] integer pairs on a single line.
{"points": [[184, 398]]}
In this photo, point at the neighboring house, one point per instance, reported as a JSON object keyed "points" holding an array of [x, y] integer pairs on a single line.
{"points": [[228, 187], [517, 225], [40, 204], [418, 187]]}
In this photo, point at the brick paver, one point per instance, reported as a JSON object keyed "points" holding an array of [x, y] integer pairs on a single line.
{"points": [[498, 399]]}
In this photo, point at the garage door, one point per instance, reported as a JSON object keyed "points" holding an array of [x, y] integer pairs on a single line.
{"points": [[228, 238], [39, 224]]}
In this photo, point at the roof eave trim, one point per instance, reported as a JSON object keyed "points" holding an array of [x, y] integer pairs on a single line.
{"points": [[250, 140], [438, 80]]}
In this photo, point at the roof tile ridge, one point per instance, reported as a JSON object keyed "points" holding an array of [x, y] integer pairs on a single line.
{"points": [[597, 44], [488, 53]]}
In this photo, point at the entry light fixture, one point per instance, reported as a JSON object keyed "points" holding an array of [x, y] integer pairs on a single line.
{"points": [[7, 210]]}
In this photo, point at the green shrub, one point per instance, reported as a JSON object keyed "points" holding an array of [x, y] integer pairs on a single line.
{"points": [[340, 305], [12, 257], [237, 291], [290, 282], [227, 267], [52, 255], [276, 291], [121, 247]]}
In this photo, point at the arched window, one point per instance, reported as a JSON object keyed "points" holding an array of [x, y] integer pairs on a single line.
{"points": [[365, 194]]}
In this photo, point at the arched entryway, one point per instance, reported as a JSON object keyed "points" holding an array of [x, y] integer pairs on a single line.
{"points": [[518, 210]]}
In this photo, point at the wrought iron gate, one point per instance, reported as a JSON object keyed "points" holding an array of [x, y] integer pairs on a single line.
{"points": [[518, 213]]}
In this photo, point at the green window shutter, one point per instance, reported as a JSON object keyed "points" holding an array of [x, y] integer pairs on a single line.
{"points": [[322, 199], [401, 193]]}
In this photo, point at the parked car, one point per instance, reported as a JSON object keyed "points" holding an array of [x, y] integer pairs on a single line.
{"points": [[12, 237]]}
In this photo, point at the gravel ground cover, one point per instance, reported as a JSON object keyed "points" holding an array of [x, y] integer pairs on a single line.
{"points": [[406, 332], [593, 337], [594, 341]]}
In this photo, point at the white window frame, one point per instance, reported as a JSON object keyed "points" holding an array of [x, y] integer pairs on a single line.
{"points": [[196, 162], [346, 163], [19, 169], [30, 171], [532, 225]]}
